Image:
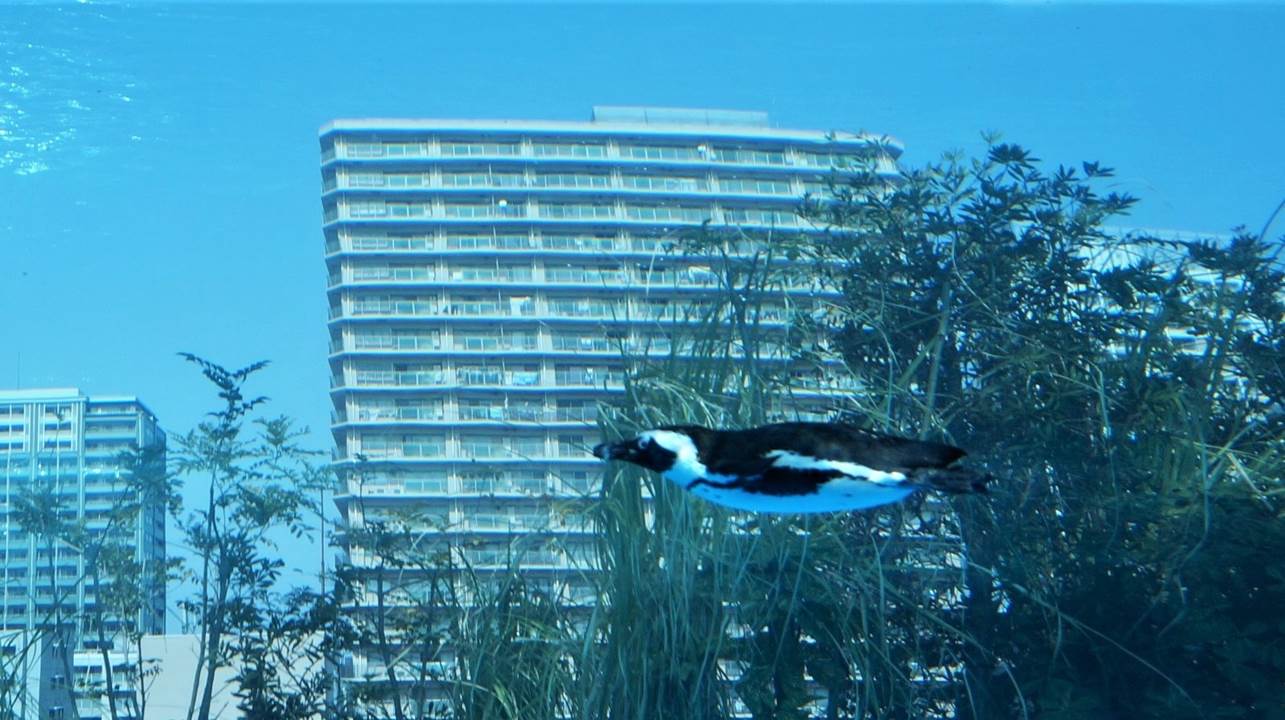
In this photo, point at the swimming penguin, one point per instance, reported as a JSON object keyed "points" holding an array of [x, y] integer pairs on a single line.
{"points": [[796, 467]]}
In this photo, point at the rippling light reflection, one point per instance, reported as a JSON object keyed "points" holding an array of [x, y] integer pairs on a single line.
{"points": [[64, 93]]}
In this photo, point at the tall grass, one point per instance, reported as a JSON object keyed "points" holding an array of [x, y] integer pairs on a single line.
{"points": [[702, 611]]}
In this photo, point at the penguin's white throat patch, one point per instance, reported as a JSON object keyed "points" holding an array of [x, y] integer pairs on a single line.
{"points": [[686, 466], [679, 444]]}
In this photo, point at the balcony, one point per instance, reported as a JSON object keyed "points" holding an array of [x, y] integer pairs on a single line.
{"points": [[389, 378], [363, 342], [503, 485], [424, 307], [588, 377], [585, 276], [386, 413], [496, 377]]}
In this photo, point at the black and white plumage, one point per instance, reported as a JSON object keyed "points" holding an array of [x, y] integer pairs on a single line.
{"points": [[796, 467]]}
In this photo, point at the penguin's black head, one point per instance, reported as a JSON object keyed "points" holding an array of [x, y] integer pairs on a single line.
{"points": [[656, 450]]}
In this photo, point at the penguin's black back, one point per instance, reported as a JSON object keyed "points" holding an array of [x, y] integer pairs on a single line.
{"points": [[746, 452]]}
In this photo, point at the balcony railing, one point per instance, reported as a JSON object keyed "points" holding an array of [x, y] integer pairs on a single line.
{"points": [[600, 151]]}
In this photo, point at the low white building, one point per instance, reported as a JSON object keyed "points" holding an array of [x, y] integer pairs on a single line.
{"points": [[168, 692]]}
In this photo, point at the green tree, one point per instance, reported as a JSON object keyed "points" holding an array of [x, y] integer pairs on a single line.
{"points": [[255, 484], [1127, 390]]}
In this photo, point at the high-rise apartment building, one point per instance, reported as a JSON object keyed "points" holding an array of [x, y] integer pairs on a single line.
{"points": [[483, 276], [62, 471]]}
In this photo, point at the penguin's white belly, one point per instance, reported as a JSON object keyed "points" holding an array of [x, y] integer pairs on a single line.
{"points": [[836, 495], [870, 488]]}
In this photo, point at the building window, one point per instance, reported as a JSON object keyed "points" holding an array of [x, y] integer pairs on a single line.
{"points": [[478, 306], [393, 446], [565, 342], [587, 376], [577, 211], [756, 186], [358, 180], [660, 152], [57, 412], [419, 409], [815, 159], [425, 482], [497, 375], [572, 445], [475, 409], [572, 180], [401, 180], [522, 340], [480, 340], [577, 411], [524, 375], [759, 217], [408, 374], [584, 308], [525, 446], [407, 209], [492, 481], [819, 188], [835, 160], [568, 150], [522, 410], [593, 274], [394, 305], [595, 243], [403, 149], [479, 375], [366, 208], [491, 273], [369, 273], [498, 209], [459, 149], [481, 481], [746, 156], [391, 242], [482, 179], [483, 446], [667, 183], [668, 213], [476, 342], [364, 149], [417, 339]]}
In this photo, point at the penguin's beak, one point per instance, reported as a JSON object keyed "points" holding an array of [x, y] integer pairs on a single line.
{"points": [[610, 451]]}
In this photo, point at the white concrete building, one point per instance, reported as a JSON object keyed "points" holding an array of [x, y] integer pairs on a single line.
{"points": [[66, 446]]}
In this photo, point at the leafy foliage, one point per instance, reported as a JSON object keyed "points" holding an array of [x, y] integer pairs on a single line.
{"points": [[1128, 388], [255, 485]]}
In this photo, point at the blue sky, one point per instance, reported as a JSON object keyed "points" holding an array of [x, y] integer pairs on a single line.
{"points": [[159, 185]]}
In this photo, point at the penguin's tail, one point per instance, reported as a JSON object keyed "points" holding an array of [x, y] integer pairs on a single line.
{"points": [[956, 481]]}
